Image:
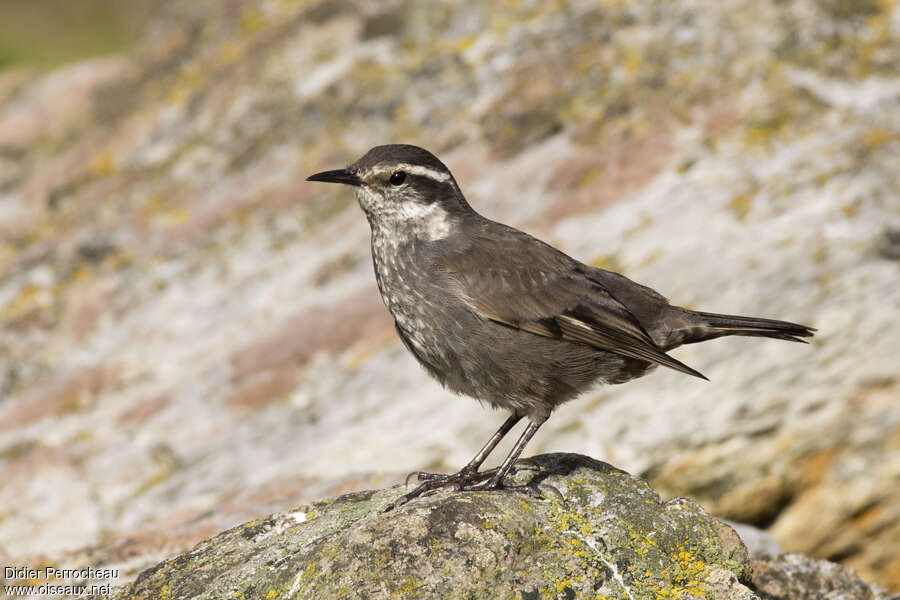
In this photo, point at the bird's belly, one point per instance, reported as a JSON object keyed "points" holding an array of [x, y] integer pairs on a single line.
{"points": [[500, 365]]}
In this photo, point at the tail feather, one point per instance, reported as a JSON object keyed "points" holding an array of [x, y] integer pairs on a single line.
{"points": [[712, 325]]}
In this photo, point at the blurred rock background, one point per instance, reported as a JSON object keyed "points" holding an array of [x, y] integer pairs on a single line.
{"points": [[190, 335]]}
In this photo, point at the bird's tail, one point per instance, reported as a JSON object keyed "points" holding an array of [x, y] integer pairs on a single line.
{"points": [[712, 325]]}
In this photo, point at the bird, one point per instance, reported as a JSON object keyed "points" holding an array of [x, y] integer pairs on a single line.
{"points": [[498, 315]]}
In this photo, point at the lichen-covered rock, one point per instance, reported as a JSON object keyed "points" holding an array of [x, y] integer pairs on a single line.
{"points": [[608, 536], [796, 577]]}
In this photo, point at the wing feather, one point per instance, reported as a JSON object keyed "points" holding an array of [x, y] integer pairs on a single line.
{"points": [[547, 294]]}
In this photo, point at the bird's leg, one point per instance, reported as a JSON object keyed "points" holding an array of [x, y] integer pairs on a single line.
{"points": [[496, 481], [475, 463], [467, 475]]}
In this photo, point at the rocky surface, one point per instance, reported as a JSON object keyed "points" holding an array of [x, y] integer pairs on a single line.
{"points": [[610, 536], [600, 534], [190, 335], [796, 577]]}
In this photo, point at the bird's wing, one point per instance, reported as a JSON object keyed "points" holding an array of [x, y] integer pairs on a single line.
{"points": [[518, 281]]}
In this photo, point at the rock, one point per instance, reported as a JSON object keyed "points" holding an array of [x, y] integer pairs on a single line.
{"points": [[596, 532], [611, 537], [796, 577], [758, 542]]}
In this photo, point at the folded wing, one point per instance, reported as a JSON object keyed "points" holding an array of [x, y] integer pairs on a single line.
{"points": [[511, 279]]}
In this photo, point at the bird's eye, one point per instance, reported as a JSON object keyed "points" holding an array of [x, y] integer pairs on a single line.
{"points": [[398, 177]]}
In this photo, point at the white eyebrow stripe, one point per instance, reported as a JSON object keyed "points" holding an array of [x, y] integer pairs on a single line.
{"points": [[414, 170], [425, 172]]}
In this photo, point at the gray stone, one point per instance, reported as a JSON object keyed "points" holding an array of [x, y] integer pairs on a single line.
{"points": [[607, 536], [759, 543], [797, 577], [593, 532]]}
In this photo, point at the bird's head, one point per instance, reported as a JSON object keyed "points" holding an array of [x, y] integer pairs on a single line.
{"points": [[403, 188]]}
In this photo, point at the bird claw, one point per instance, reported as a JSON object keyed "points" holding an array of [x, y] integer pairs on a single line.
{"points": [[491, 485], [420, 476], [555, 491], [425, 476], [470, 481], [432, 481], [527, 462]]}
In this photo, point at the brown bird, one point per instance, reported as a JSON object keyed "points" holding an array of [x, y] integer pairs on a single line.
{"points": [[498, 315]]}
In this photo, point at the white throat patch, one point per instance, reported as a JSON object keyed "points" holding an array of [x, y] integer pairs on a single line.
{"points": [[410, 218], [430, 221]]}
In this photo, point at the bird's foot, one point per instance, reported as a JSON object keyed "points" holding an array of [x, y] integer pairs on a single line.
{"points": [[433, 481], [481, 475], [465, 480]]}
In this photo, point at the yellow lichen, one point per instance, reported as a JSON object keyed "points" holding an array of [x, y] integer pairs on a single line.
{"points": [[874, 138], [309, 571], [102, 164], [632, 62], [251, 21], [820, 254], [651, 257], [761, 132], [230, 52], [851, 209], [408, 586], [740, 206], [24, 302], [610, 262]]}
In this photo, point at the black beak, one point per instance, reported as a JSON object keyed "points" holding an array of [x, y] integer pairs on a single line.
{"points": [[336, 176]]}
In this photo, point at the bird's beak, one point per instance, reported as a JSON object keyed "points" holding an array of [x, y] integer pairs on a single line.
{"points": [[336, 176]]}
